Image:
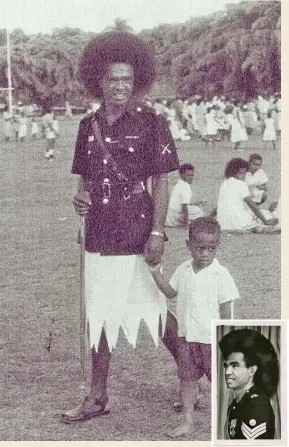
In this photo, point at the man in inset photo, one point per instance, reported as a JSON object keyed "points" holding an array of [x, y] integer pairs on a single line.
{"points": [[251, 370]]}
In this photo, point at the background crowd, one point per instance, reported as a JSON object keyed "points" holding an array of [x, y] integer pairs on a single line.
{"points": [[210, 119]]}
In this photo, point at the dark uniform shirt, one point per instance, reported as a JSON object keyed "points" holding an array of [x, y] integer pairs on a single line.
{"points": [[142, 146], [252, 417]]}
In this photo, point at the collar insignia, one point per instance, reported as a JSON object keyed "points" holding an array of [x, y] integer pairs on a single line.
{"points": [[165, 149]]}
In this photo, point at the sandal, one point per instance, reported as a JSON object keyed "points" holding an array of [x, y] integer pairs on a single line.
{"points": [[87, 410]]}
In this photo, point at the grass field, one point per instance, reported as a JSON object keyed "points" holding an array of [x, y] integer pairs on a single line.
{"points": [[39, 286]]}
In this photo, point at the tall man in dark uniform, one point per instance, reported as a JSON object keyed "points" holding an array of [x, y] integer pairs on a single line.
{"points": [[252, 372], [118, 148]]}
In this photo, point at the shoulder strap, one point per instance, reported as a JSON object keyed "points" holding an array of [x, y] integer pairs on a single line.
{"points": [[97, 134]]}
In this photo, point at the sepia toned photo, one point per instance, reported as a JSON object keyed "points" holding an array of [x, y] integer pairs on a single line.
{"points": [[140, 158], [250, 382]]}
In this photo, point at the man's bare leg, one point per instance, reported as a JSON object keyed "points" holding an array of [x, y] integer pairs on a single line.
{"points": [[99, 370], [95, 404]]}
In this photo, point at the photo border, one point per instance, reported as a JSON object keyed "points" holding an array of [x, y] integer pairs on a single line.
{"points": [[284, 242], [283, 382]]}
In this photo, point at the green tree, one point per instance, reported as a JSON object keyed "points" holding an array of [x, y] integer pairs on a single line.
{"points": [[234, 52]]}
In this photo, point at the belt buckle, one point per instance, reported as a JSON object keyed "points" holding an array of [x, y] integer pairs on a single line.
{"points": [[106, 189], [126, 195]]}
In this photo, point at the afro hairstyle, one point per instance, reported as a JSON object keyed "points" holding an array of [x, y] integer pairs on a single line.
{"points": [[234, 165], [257, 350], [117, 47]]}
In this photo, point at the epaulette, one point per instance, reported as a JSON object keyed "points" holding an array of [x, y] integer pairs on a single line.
{"points": [[143, 108]]}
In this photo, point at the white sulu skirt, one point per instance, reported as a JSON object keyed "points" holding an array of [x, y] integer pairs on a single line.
{"points": [[119, 292]]}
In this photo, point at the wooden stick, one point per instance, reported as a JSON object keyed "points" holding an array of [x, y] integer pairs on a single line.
{"points": [[82, 296]]}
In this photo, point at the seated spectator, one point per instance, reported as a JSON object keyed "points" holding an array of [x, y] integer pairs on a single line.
{"points": [[256, 179], [182, 209], [236, 210]]}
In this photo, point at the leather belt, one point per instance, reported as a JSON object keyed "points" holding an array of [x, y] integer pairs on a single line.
{"points": [[124, 189]]}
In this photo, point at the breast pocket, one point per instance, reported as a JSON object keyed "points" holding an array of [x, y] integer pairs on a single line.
{"points": [[132, 155]]}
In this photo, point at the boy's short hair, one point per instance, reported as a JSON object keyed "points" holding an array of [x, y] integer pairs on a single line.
{"points": [[255, 157], [234, 165], [205, 224], [186, 167]]}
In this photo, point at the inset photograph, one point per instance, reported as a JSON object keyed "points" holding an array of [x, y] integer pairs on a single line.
{"points": [[249, 382]]}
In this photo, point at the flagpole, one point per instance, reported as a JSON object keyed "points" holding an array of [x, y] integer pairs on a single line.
{"points": [[9, 71]]}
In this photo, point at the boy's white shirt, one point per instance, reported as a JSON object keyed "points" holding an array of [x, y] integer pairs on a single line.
{"points": [[199, 296], [181, 194], [254, 181]]}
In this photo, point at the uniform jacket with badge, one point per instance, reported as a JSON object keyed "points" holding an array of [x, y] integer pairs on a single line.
{"points": [[141, 145], [252, 417]]}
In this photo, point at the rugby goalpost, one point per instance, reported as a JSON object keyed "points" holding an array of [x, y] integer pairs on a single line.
{"points": [[9, 78]]}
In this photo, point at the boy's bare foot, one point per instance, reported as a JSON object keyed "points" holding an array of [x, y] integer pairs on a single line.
{"points": [[181, 430], [178, 408]]}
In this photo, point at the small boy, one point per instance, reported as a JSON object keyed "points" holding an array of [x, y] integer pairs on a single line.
{"points": [[181, 209], [204, 291]]}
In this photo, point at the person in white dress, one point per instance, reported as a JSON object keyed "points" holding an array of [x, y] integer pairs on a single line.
{"points": [[200, 118], [238, 130], [256, 179], [68, 110], [269, 133], [236, 210], [222, 124], [211, 125], [34, 127], [22, 126], [228, 118], [263, 106], [250, 119], [182, 209], [278, 110], [50, 134], [16, 123]]}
